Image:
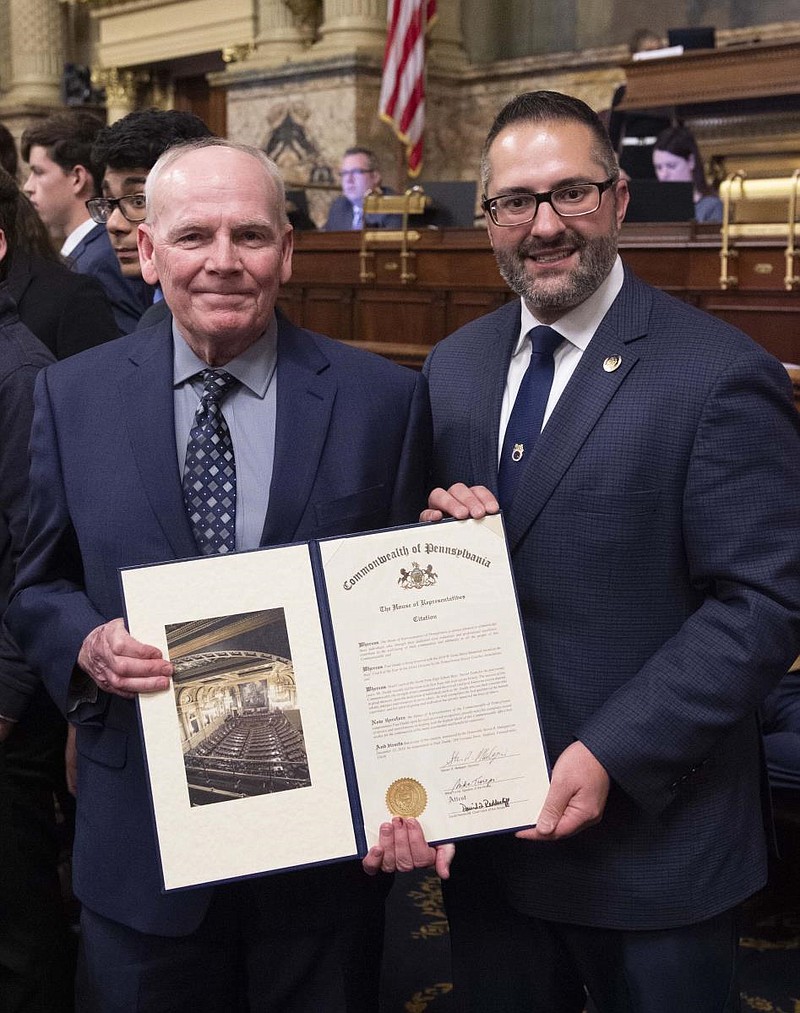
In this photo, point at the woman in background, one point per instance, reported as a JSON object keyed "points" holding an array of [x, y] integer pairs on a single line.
{"points": [[676, 159]]}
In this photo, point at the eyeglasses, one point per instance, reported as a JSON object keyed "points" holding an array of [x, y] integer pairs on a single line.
{"points": [[132, 207], [567, 202], [356, 172]]}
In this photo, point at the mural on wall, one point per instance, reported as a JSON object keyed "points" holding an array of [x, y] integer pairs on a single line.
{"points": [[309, 177], [289, 145]]}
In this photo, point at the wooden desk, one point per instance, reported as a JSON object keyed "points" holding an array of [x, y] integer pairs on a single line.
{"points": [[457, 280], [726, 76]]}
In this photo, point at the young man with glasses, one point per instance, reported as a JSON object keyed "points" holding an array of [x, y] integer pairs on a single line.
{"points": [[647, 460], [62, 178], [124, 153], [359, 174]]}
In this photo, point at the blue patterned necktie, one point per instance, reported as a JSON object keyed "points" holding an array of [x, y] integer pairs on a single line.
{"points": [[358, 217], [527, 416], [209, 474]]}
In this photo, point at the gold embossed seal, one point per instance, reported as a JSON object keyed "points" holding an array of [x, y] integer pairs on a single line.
{"points": [[406, 797]]}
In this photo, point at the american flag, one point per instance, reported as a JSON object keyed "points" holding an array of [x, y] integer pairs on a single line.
{"points": [[402, 101]]}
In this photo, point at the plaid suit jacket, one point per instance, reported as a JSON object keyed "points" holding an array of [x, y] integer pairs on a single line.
{"points": [[655, 538]]}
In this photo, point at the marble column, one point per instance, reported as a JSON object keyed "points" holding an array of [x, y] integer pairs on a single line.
{"points": [[281, 35], [446, 52], [352, 26], [36, 52]]}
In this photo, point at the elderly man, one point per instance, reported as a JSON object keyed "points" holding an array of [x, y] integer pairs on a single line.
{"points": [[318, 439], [647, 460]]}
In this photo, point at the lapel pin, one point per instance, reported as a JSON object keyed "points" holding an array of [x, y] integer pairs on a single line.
{"points": [[611, 363], [517, 452]]}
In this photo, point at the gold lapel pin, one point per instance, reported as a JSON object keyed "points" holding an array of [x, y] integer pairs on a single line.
{"points": [[611, 363]]}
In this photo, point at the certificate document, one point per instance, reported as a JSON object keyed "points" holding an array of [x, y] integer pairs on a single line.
{"points": [[321, 688], [440, 708]]}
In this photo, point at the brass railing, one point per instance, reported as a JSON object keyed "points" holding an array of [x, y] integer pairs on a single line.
{"points": [[412, 202], [759, 207]]}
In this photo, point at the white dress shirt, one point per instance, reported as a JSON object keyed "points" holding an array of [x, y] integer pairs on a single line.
{"points": [[577, 326], [76, 236]]}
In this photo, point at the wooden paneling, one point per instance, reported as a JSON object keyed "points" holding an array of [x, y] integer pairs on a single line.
{"points": [[457, 281], [762, 70], [194, 95]]}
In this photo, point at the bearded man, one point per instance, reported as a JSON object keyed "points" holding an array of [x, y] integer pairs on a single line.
{"points": [[647, 460]]}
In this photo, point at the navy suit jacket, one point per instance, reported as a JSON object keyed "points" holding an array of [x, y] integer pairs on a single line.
{"points": [[67, 311], [655, 538], [129, 297], [340, 217], [351, 450]]}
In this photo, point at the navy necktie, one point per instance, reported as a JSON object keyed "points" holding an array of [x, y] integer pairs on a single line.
{"points": [[209, 474], [525, 422]]}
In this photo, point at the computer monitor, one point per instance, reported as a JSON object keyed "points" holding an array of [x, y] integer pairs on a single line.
{"points": [[692, 38], [653, 201], [452, 205]]}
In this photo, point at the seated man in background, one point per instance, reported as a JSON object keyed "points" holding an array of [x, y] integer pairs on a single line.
{"points": [[359, 174], [36, 955], [134, 415], [123, 154], [62, 178]]}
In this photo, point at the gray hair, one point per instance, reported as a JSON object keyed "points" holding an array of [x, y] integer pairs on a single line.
{"points": [[171, 155]]}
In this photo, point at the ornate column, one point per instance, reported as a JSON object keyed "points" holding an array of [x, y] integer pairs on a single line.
{"points": [[351, 26], [285, 30], [121, 88], [36, 53], [447, 51]]}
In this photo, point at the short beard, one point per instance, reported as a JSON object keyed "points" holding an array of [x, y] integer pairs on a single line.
{"points": [[596, 260]]}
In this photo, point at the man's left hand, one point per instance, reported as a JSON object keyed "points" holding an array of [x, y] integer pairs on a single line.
{"points": [[576, 799], [402, 847]]}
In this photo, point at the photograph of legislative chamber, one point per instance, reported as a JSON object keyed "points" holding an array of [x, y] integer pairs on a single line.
{"points": [[240, 725], [301, 80]]}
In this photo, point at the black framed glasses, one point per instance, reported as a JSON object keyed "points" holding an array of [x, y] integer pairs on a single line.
{"points": [[132, 207], [567, 202], [355, 172]]}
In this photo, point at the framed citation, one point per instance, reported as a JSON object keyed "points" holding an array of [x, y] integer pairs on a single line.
{"points": [[321, 688]]}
